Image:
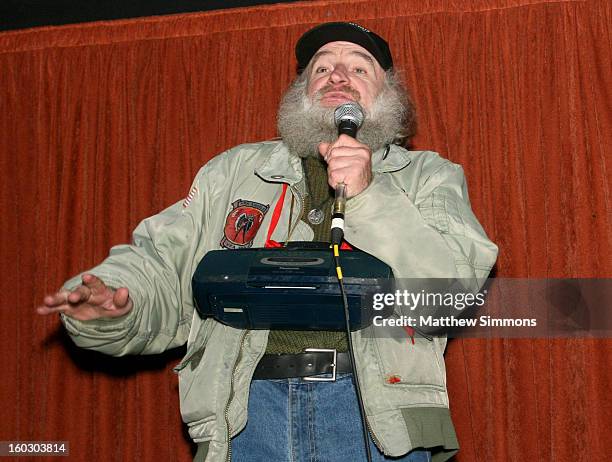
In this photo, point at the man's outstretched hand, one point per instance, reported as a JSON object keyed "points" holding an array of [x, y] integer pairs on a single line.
{"points": [[91, 300]]}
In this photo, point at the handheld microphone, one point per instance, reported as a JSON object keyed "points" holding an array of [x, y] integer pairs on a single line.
{"points": [[348, 118]]}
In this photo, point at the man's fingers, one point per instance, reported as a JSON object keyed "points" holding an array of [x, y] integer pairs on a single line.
{"points": [[92, 300], [64, 308], [79, 295], [323, 148], [121, 297], [343, 146], [347, 162], [54, 303], [94, 283], [58, 298], [345, 151], [345, 140], [48, 310]]}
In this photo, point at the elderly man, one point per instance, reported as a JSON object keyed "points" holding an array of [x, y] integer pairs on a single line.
{"points": [[408, 208]]}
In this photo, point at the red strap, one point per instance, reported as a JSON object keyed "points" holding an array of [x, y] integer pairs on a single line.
{"points": [[278, 208], [275, 217], [271, 243]]}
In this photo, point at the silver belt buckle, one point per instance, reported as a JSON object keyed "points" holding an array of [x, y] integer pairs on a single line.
{"points": [[333, 365]]}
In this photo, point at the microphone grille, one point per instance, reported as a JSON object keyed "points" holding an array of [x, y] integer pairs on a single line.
{"points": [[349, 111]]}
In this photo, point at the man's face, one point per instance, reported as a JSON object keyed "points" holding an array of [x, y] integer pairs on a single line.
{"points": [[341, 72]]}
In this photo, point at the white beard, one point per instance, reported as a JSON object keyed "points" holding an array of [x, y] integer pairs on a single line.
{"points": [[303, 123]]}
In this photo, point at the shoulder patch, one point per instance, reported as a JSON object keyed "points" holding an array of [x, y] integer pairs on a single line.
{"points": [[242, 224]]}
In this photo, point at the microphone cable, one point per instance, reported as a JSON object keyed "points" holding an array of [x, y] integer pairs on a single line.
{"points": [[364, 422]]}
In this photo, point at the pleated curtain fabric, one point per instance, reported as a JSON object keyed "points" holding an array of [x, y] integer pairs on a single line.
{"points": [[104, 124]]}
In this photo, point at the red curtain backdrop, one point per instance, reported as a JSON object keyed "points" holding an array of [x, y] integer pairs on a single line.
{"points": [[104, 124]]}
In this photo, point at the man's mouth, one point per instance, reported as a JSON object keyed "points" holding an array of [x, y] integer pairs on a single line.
{"points": [[338, 95]]}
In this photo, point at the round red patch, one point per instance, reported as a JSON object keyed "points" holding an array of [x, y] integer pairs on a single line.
{"points": [[242, 224]]}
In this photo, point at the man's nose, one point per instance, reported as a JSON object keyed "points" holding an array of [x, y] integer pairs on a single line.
{"points": [[339, 75]]}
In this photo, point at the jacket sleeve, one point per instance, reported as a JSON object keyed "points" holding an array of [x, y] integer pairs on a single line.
{"points": [[157, 269], [419, 221]]}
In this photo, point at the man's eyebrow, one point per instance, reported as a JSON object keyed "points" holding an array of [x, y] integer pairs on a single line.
{"points": [[318, 54], [365, 56]]}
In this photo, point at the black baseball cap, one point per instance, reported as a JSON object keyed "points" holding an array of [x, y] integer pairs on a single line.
{"points": [[318, 36]]}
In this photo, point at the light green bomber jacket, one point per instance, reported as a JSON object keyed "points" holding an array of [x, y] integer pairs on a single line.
{"points": [[415, 216]]}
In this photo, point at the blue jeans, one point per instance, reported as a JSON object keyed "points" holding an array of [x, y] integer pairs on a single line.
{"points": [[293, 420]]}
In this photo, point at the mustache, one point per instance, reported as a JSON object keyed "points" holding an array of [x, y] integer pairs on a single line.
{"points": [[344, 89]]}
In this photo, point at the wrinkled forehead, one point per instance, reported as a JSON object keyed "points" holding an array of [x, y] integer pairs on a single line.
{"points": [[344, 49]]}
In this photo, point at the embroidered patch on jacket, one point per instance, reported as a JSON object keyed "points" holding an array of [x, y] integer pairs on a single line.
{"points": [[242, 223]]}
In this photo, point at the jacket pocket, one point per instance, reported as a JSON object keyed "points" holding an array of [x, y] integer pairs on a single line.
{"points": [[408, 361], [198, 337], [203, 378], [441, 211]]}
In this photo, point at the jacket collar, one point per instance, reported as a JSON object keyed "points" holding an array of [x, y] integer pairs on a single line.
{"points": [[390, 159], [280, 166]]}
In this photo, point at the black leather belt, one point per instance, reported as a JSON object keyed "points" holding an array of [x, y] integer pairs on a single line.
{"points": [[313, 362]]}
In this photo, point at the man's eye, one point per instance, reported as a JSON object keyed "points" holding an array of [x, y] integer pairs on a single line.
{"points": [[321, 70], [360, 70]]}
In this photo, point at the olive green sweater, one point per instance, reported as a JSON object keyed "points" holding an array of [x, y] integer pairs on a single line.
{"points": [[319, 195]]}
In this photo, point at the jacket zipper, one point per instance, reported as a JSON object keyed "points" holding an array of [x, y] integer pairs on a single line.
{"points": [[370, 431], [300, 203], [226, 411], [228, 458], [374, 437]]}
